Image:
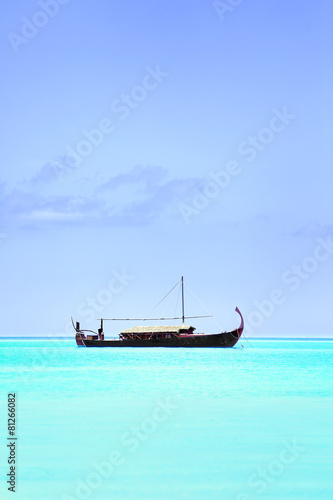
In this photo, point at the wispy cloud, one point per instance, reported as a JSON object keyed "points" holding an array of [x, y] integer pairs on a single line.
{"points": [[314, 229], [138, 197], [48, 173]]}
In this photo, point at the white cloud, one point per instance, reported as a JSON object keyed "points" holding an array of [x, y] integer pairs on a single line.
{"points": [[135, 198], [314, 229]]}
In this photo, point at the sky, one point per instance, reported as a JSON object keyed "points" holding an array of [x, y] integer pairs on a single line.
{"points": [[145, 141]]}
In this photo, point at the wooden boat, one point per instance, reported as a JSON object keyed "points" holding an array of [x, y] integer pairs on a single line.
{"points": [[159, 336]]}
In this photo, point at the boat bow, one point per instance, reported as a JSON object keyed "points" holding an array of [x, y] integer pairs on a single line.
{"points": [[241, 327]]}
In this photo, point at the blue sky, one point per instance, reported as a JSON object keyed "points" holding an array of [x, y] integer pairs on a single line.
{"points": [[142, 141]]}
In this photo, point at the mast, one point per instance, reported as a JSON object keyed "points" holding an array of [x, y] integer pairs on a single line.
{"points": [[183, 313], [159, 319]]}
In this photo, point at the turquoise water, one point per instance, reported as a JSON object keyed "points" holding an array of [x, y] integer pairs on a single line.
{"points": [[228, 424]]}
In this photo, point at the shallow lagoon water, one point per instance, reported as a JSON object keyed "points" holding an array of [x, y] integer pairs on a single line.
{"points": [[229, 424]]}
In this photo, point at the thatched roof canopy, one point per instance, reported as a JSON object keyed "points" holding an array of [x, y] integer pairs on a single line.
{"points": [[159, 329]]}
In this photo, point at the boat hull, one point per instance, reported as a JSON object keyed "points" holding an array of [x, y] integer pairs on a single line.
{"points": [[225, 339]]}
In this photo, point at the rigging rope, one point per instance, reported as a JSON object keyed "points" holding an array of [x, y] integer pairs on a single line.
{"points": [[168, 303], [247, 340], [196, 298], [163, 299], [179, 290]]}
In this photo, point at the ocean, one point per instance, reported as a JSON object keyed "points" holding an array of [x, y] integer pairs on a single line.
{"points": [[247, 423]]}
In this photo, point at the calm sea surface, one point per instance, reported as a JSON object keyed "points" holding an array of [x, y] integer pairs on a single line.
{"points": [[116, 424]]}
